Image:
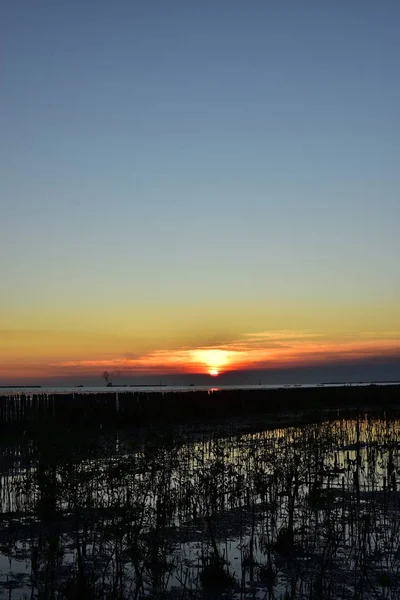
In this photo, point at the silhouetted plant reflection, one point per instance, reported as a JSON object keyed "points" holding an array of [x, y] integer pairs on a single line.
{"points": [[298, 512]]}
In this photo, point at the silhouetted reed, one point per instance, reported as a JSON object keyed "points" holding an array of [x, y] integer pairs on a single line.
{"points": [[32, 414], [308, 511]]}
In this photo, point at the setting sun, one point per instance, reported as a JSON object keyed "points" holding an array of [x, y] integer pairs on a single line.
{"points": [[212, 358]]}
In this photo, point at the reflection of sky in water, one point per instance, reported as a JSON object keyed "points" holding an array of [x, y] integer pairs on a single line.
{"points": [[245, 470]]}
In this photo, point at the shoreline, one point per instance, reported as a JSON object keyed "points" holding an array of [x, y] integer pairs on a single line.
{"points": [[113, 409]]}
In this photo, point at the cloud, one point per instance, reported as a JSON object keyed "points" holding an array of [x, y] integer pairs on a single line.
{"points": [[282, 335], [255, 350]]}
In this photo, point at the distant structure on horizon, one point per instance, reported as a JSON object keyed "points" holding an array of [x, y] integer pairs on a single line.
{"points": [[106, 376]]}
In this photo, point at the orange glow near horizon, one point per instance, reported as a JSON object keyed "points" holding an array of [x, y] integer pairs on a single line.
{"points": [[214, 359], [257, 350]]}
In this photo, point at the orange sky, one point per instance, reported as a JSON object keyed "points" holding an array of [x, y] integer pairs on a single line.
{"points": [[257, 350], [79, 342]]}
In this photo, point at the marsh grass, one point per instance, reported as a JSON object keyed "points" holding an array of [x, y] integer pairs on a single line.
{"points": [[298, 512]]}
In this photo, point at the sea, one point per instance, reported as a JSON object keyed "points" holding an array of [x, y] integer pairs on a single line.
{"points": [[29, 390]]}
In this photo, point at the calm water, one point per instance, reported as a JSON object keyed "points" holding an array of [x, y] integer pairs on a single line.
{"points": [[5, 391], [313, 509]]}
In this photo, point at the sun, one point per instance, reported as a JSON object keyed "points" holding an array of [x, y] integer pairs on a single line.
{"points": [[213, 360]]}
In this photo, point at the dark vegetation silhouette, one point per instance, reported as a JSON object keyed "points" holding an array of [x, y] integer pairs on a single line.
{"points": [[215, 509], [36, 412]]}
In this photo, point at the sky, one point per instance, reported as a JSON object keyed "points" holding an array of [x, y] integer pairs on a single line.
{"points": [[189, 187]]}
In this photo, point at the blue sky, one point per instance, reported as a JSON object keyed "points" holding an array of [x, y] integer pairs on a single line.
{"points": [[182, 153]]}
